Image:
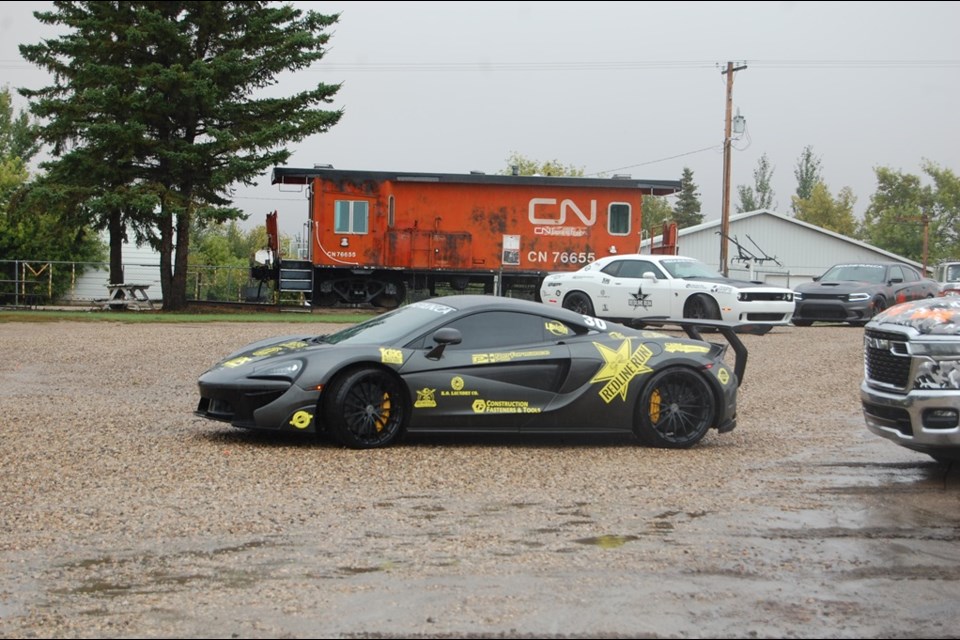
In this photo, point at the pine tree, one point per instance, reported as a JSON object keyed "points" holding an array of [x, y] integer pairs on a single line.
{"points": [[686, 210], [157, 110]]}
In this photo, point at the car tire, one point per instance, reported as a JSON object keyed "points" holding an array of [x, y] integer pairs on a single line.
{"points": [[580, 302], [701, 307], [675, 410], [802, 323], [879, 305], [365, 408]]}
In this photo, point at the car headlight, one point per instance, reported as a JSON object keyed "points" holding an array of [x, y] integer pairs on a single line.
{"points": [[858, 297], [797, 296], [287, 370]]}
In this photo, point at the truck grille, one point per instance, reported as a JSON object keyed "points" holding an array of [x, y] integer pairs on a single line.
{"points": [[886, 359]]}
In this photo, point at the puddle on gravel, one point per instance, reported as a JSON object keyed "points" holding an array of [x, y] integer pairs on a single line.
{"points": [[609, 541]]}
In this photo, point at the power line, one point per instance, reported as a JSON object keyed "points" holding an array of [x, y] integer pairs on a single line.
{"points": [[641, 164]]}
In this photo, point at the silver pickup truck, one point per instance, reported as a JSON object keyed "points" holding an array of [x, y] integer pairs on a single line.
{"points": [[911, 386]]}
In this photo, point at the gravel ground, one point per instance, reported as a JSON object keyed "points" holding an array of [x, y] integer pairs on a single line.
{"points": [[123, 515]]}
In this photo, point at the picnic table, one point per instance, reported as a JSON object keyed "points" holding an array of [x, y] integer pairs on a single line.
{"points": [[127, 296]]}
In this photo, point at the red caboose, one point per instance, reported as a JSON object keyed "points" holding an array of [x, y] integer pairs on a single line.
{"points": [[374, 235]]}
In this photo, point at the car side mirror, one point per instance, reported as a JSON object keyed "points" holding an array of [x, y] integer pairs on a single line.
{"points": [[895, 281], [443, 337], [650, 275]]}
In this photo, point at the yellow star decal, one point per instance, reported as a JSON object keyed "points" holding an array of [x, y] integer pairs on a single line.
{"points": [[614, 360], [620, 367]]}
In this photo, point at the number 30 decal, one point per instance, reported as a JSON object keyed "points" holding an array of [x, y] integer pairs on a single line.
{"points": [[596, 323]]}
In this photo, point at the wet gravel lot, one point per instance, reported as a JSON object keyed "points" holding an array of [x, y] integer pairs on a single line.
{"points": [[123, 515]]}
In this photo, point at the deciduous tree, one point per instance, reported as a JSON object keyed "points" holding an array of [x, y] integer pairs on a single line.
{"points": [[760, 195], [808, 175], [824, 211], [903, 205]]}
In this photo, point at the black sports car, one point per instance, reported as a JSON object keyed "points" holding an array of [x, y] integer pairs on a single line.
{"points": [[476, 363], [855, 292]]}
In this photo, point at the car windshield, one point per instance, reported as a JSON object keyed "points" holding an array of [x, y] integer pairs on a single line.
{"points": [[872, 273], [689, 269], [390, 326]]}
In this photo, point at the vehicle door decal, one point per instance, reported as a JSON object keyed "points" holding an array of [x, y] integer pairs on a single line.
{"points": [[391, 356], [620, 367], [426, 399], [457, 390], [507, 356], [640, 299]]}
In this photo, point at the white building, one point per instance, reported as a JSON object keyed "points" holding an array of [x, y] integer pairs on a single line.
{"points": [[141, 265], [776, 249]]}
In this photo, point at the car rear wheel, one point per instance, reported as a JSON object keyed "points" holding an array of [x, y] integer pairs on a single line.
{"points": [[579, 302], [365, 408], [702, 307], [675, 410]]}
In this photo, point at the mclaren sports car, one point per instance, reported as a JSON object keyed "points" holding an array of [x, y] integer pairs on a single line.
{"points": [[479, 363]]}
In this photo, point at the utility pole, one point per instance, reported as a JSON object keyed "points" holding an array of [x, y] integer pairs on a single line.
{"points": [[725, 209]]}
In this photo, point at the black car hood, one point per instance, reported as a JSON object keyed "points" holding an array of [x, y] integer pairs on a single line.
{"points": [[838, 288]]}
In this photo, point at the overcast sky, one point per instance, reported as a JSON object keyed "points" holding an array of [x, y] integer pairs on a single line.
{"points": [[619, 87]]}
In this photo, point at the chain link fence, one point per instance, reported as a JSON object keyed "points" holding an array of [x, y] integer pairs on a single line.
{"points": [[31, 283]]}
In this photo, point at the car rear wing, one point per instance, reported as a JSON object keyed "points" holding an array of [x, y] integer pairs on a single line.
{"points": [[729, 330]]}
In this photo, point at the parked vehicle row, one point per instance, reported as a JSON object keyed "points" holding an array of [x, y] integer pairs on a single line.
{"points": [[623, 288], [626, 287]]}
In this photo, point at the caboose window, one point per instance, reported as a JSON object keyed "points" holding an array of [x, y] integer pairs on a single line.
{"points": [[350, 216], [618, 219]]}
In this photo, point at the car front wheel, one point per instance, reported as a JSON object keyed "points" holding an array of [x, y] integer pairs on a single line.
{"points": [[365, 408], [702, 307], [675, 409], [579, 302]]}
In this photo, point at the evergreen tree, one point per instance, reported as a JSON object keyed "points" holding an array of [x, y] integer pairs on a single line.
{"points": [[686, 210], [760, 195], [155, 114], [807, 173]]}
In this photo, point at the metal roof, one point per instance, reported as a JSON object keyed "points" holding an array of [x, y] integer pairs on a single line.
{"points": [[289, 175]]}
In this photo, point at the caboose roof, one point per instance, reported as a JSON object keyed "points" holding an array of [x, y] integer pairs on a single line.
{"points": [[290, 175]]}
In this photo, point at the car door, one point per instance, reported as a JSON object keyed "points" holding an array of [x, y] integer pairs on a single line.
{"points": [[506, 369], [629, 294], [902, 290], [914, 283]]}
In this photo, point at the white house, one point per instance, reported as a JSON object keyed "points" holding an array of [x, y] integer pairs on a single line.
{"points": [[777, 249]]}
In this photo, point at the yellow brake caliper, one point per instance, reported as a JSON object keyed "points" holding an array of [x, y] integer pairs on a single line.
{"points": [[655, 406], [384, 413]]}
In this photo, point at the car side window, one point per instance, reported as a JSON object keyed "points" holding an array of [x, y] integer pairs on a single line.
{"points": [[909, 275], [895, 272], [612, 269], [636, 269], [505, 329]]}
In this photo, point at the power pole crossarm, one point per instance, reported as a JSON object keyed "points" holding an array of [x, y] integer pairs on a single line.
{"points": [[725, 208]]}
